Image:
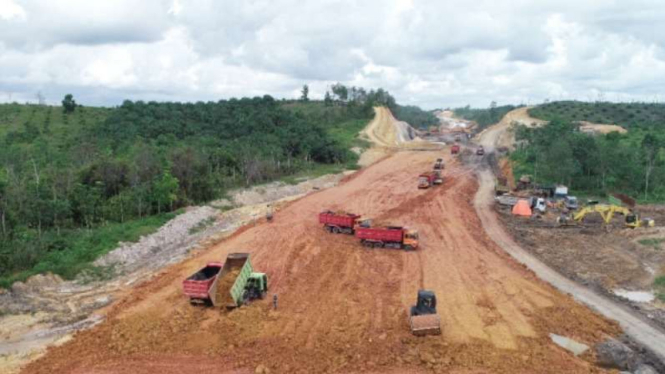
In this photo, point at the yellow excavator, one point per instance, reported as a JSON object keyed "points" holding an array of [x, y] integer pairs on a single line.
{"points": [[607, 212]]}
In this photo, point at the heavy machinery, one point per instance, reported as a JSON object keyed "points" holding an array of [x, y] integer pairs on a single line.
{"points": [[388, 237], [197, 285], [426, 180], [439, 165], [339, 223], [229, 285], [570, 202], [501, 186], [607, 212], [422, 316], [454, 149], [480, 151]]}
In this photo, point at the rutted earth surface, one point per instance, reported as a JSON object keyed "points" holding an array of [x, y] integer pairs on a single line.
{"points": [[344, 308], [47, 310]]}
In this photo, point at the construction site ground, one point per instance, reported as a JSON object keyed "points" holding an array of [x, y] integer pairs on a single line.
{"points": [[343, 308], [609, 259]]}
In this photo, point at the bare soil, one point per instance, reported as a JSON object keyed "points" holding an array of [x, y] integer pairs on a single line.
{"points": [[344, 308], [593, 255]]}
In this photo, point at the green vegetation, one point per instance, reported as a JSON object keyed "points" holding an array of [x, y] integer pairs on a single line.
{"points": [[652, 242], [659, 285], [415, 116], [486, 116], [632, 163], [71, 251], [76, 180], [624, 114]]}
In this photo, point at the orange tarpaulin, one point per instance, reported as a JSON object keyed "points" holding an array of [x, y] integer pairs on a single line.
{"points": [[522, 208]]}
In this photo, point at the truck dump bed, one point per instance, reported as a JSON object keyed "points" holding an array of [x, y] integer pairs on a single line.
{"points": [[429, 324], [384, 234], [197, 285], [338, 219], [229, 286]]}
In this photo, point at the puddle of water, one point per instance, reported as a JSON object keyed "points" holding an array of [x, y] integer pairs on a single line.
{"points": [[636, 296]]}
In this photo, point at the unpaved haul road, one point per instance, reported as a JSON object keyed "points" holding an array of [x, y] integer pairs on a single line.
{"points": [[635, 326], [343, 308]]}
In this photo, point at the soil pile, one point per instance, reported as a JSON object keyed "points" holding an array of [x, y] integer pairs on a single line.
{"points": [[224, 286]]}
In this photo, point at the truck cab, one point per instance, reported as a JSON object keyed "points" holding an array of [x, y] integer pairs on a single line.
{"points": [[411, 239], [256, 287]]}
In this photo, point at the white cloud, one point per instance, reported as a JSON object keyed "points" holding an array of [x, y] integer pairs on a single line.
{"points": [[425, 52], [9, 10]]}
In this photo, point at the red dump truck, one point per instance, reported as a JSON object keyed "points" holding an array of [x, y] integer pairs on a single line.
{"points": [[197, 286], [338, 223], [425, 180], [388, 237], [454, 149]]}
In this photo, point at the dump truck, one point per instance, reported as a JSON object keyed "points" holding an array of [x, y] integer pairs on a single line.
{"points": [[338, 223], [197, 286], [237, 283], [230, 284], [425, 180], [388, 237], [454, 149], [438, 179], [422, 316]]}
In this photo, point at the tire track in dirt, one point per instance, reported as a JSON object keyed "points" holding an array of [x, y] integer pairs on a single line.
{"points": [[343, 308]]}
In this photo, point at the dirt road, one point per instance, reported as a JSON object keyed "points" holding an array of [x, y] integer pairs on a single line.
{"points": [[635, 326], [385, 131], [499, 135], [343, 308]]}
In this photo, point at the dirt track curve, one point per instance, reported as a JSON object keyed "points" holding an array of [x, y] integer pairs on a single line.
{"points": [[635, 326], [343, 308]]}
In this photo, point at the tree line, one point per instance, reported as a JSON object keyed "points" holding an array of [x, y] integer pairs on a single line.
{"points": [[484, 116], [84, 168], [631, 163]]}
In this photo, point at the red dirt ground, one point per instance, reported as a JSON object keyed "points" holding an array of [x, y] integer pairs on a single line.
{"points": [[342, 307]]}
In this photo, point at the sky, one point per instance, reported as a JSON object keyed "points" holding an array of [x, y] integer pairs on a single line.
{"points": [[435, 54]]}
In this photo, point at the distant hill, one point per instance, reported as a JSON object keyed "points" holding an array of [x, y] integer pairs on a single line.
{"points": [[623, 114]]}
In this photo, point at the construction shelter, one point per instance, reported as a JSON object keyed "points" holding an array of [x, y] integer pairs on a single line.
{"points": [[522, 208]]}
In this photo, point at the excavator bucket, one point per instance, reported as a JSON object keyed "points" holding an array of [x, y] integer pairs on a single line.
{"points": [[428, 324]]}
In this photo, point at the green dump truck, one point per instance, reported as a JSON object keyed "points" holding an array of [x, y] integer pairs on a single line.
{"points": [[237, 283]]}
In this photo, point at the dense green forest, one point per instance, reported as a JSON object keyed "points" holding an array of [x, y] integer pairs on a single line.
{"points": [[76, 180], [624, 114], [484, 116], [632, 163], [415, 116]]}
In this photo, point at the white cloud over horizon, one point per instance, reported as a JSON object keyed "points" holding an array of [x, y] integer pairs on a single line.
{"points": [[428, 53]]}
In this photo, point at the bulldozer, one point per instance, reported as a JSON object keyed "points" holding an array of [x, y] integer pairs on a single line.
{"points": [[607, 212], [423, 318]]}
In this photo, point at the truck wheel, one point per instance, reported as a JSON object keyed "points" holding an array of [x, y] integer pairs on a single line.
{"points": [[336, 230]]}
